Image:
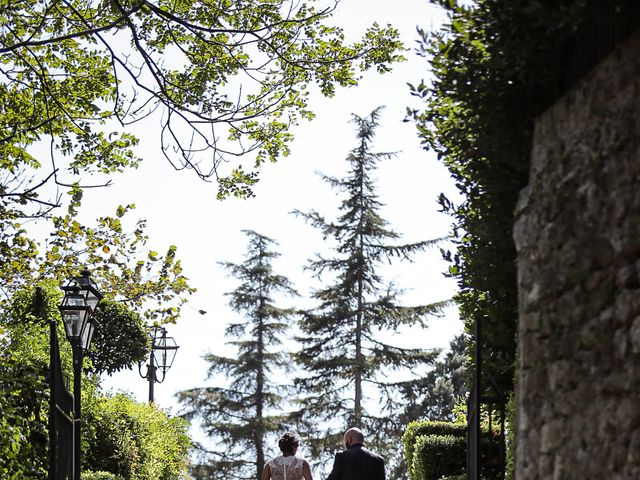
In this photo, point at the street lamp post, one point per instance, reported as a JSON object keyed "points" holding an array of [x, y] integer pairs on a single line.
{"points": [[163, 352], [81, 297]]}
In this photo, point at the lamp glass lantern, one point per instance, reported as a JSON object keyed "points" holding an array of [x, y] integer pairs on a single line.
{"points": [[164, 352], [80, 300], [89, 289]]}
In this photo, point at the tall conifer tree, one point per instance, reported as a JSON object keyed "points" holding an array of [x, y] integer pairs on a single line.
{"points": [[243, 415], [352, 372], [442, 388]]}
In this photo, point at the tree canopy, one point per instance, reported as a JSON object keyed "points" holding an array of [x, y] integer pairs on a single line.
{"points": [[117, 250], [226, 78]]}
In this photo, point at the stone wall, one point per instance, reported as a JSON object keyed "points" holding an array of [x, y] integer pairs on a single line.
{"points": [[578, 237]]}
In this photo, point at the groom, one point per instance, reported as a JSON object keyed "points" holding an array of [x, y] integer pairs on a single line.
{"points": [[356, 462]]}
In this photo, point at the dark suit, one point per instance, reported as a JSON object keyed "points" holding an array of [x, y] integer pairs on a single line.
{"points": [[357, 463]]}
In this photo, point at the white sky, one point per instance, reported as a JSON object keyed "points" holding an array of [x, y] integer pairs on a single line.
{"points": [[183, 211]]}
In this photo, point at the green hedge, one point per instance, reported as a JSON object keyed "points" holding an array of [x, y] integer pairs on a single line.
{"points": [[437, 450], [428, 428], [436, 456]]}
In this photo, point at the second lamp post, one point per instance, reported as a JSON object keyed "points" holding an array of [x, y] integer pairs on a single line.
{"points": [[163, 352]]}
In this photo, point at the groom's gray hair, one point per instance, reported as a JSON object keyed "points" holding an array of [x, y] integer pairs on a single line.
{"points": [[355, 434]]}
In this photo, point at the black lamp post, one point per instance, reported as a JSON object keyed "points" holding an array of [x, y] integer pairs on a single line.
{"points": [[163, 352], [81, 296]]}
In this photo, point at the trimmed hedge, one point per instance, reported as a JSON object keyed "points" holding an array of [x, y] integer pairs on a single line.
{"points": [[438, 450], [436, 456], [426, 428]]}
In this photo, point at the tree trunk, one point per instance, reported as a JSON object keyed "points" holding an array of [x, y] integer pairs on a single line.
{"points": [[357, 414], [259, 434]]}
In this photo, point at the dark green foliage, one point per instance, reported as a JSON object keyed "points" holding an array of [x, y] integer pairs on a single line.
{"points": [[24, 407], [455, 364], [344, 354], [120, 340], [25, 313], [439, 449], [496, 66], [247, 413], [434, 396], [424, 428], [24, 390], [439, 455], [512, 417], [136, 441]]}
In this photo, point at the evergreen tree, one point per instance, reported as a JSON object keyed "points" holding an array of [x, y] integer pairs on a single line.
{"points": [[344, 349], [241, 416], [443, 387]]}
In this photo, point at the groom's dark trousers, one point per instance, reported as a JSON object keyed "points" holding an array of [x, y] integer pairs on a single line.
{"points": [[357, 463]]}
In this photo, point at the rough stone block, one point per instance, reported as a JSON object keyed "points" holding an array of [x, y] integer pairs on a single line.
{"points": [[578, 239]]}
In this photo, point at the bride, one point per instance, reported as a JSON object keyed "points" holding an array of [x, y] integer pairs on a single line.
{"points": [[287, 466]]}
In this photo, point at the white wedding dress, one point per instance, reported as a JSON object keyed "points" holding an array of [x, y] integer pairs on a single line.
{"points": [[286, 468]]}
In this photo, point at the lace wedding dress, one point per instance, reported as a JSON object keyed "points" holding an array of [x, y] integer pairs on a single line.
{"points": [[286, 468]]}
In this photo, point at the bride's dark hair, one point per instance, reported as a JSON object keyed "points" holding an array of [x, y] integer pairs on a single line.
{"points": [[287, 443]]}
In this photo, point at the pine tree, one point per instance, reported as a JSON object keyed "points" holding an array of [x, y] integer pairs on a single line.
{"points": [[348, 363], [243, 415], [441, 389]]}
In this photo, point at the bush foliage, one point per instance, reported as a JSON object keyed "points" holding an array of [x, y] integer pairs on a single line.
{"points": [[434, 449], [438, 450], [137, 441], [153, 445], [497, 65], [101, 476], [120, 341], [439, 455], [24, 388]]}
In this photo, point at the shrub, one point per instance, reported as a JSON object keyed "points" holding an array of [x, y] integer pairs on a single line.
{"points": [[436, 456], [121, 341], [438, 450], [137, 441], [101, 476], [427, 428]]}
